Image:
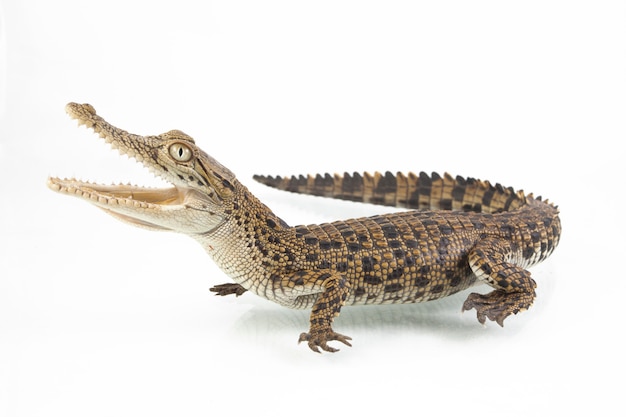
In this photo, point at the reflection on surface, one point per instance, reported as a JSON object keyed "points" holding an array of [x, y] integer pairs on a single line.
{"points": [[269, 324]]}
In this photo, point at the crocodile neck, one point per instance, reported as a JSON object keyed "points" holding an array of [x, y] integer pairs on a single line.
{"points": [[248, 229]]}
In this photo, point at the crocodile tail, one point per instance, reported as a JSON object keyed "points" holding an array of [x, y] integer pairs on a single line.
{"points": [[412, 191]]}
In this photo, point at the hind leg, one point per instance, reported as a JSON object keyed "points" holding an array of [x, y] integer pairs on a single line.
{"points": [[514, 288]]}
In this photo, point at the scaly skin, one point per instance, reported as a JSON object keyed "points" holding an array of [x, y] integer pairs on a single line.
{"points": [[457, 232]]}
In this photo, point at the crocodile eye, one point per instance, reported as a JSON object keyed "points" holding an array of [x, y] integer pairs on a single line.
{"points": [[180, 152]]}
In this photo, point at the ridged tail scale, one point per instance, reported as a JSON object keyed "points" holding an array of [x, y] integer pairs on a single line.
{"points": [[412, 191]]}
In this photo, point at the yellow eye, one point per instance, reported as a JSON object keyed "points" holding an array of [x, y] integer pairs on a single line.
{"points": [[180, 152]]}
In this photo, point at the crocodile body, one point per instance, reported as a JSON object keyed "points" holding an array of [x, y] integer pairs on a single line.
{"points": [[455, 233]]}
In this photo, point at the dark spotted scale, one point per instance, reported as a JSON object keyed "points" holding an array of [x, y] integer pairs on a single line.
{"points": [[423, 254]]}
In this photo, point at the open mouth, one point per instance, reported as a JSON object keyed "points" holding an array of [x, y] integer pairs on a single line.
{"points": [[110, 196], [115, 195], [174, 206], [134, 204]]}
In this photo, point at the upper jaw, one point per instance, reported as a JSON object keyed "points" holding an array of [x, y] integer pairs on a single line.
{"points": [[119, 139]]}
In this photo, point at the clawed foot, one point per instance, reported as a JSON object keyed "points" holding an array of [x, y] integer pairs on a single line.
{"points": [[319, 339], [497, 305], [227, 289]]}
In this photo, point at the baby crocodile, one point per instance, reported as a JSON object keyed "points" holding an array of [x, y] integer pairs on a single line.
{"points": [[456, 233]]}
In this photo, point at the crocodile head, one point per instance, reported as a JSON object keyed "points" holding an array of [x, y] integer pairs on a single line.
{"points": [[194, 204]]}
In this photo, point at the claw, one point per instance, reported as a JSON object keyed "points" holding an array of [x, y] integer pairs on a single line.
{"points": [[320, 339], [497, 305]]}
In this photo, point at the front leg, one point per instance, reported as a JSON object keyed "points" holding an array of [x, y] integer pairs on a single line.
{"points": [[227, 289], [335, 289]]}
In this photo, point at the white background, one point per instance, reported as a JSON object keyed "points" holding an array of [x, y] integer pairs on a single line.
{"points": [[98, 318]]}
